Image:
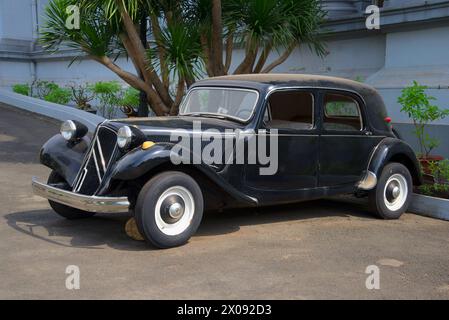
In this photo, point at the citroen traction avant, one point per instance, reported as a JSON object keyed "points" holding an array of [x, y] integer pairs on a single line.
{"points": [[333, 137]]}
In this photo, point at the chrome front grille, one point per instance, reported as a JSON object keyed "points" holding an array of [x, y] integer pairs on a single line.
{"points": [[102, 153]]}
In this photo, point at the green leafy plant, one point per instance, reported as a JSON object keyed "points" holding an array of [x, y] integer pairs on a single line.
{"points": [[436, 189], [130, 98], [23, 89], [417, 104], [130, 102], [82, 95], [59, 96], [109, 95], [426, 189], [440, 170], [41, 88]]}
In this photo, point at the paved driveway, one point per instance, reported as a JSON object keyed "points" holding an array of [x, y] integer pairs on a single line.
{"points": [[311, 250]]}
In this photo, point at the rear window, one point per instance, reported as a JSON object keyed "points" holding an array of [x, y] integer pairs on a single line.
{"points": [[341, 112]]}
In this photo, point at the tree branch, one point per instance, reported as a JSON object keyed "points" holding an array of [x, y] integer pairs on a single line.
{"points": [[207, 55], [179, 94], [229, 47], [248, 62], [148, 73], [131, 52], [161, 50], [263, 58], [281, 58], [155, 102]]}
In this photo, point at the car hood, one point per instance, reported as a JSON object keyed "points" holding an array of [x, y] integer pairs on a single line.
{"points": [[166, 125]]}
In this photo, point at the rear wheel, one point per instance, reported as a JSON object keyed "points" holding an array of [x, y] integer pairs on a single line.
{"points": [[392, 195], [169, 209], [63, 210]]}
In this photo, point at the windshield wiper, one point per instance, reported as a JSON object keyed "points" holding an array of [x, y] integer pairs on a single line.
{"points": [[213, 115], [207, 115]]}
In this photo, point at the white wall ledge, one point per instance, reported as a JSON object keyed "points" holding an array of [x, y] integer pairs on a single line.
{"points": [[51, 110]]}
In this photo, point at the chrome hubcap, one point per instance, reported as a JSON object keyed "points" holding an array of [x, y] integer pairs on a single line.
{"points": [[174, 210], [396, 192]]}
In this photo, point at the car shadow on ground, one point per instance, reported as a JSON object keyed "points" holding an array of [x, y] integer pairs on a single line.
{"points": [[108, 229], [229, 221]]}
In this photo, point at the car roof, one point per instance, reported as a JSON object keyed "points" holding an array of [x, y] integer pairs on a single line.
{"points": [[279, 79], [263, 82]]}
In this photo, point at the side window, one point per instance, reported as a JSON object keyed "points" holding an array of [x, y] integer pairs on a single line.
{"points": [[290, 110], [341, 112]]}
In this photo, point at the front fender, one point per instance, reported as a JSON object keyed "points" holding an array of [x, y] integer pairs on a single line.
{"points": [[138, 161], [395, 150], [63, 156]]}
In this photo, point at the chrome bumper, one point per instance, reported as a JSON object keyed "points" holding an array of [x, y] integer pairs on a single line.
{"points": [[80, 201]]}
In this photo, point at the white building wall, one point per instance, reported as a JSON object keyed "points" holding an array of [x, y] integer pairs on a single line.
{"points": [[425, 47], [419, 55], [80, 71], [16, 19], [12, 72]]}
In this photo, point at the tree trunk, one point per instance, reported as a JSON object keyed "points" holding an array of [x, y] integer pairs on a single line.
{"points": [[143, 101], [217, 40]]}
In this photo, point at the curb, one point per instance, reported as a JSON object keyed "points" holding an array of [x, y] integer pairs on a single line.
{"points": [[430, 207], [49, 109]]}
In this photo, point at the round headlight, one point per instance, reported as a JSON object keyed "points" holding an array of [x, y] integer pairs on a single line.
{"points": [[124, 137], [68, 130], [73, 130]]}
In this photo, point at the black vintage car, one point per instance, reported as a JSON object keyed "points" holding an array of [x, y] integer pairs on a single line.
{"points": [[328, 136]]}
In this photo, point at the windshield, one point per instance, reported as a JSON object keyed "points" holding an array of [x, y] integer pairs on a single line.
{"points": [[225, 102]]}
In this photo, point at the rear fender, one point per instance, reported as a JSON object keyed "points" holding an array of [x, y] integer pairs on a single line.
{"points": [[394, 150]]}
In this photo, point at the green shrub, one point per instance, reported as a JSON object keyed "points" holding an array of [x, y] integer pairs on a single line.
{"points": [[41, 88], [439, 170], [23, 89], [109, 95], [81, 95], [417, 104], [106, 87], [435, 189], [131, 98], [59, 95]]}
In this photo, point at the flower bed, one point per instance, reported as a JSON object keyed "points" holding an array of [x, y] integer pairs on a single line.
{"points": [[111, 98], [431, 198]]}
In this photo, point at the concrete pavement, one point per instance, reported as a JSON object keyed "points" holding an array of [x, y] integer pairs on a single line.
{"points": [[313, 250]]}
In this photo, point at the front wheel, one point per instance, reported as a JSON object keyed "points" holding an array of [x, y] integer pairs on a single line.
{"points": [[169, 209], [392, 195]]}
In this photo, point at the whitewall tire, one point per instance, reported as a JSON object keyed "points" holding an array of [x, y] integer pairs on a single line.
{"points": [[392, 195], [169, 209]]}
